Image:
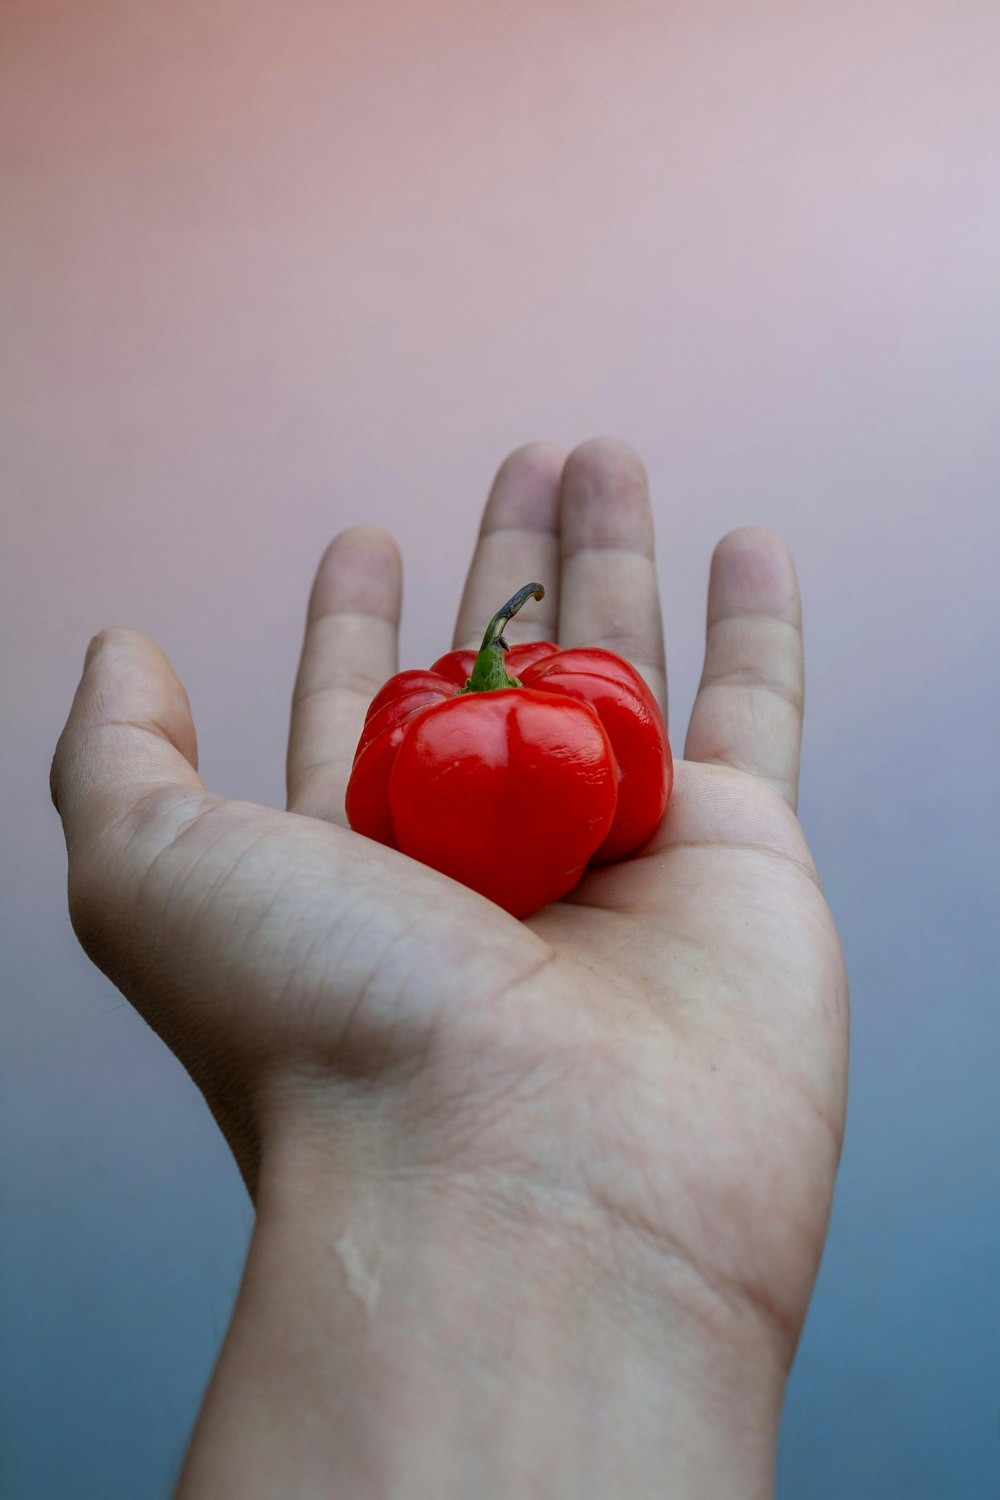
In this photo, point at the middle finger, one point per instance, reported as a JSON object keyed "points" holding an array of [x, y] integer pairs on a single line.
{"points": [[518, 544], [610, 593]]}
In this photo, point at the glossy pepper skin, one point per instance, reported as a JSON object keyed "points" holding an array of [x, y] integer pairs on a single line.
{"points": [[512, 769]]}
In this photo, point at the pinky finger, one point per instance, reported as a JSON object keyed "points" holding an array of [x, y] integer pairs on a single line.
{"points": [[748, 710]]}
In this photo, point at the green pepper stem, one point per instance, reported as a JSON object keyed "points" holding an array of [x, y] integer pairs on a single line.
{"points": [[490, 670]]}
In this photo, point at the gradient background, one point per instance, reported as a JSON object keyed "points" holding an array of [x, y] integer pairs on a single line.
{"points": [[269, 271]]}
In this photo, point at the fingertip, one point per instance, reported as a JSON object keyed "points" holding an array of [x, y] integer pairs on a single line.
{"points": [[524, 494], [122, 638], [361, 571], [606, 498], [605, 474], [350, 648], [753, 571], [604, 454], [363, 536], [363, 552], [96, 642], [538, 455], [755, 549], [128, 677]]}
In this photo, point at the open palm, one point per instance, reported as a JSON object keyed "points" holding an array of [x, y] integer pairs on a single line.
{"points": [[661, 1055]]}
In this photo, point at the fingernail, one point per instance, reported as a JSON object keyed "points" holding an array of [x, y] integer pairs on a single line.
{"points": [[95, 645]]}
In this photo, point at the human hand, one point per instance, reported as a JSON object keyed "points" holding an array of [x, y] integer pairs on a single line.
{"points": [[652, 1070]]}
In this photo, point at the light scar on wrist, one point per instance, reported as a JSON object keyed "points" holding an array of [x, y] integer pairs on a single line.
{"points": [[361, 1277]]}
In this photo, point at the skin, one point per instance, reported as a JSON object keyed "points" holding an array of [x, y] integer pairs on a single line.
{"points": [[638, 1092]]}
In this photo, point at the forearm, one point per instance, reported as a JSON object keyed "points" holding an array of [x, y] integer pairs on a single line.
{"points": [[410, 1340]]}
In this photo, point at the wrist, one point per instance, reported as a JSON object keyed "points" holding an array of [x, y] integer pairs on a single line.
{"points": [[420, 1338]]}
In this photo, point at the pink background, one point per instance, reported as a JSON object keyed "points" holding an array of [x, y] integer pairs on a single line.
{"points": [[268, 271]]}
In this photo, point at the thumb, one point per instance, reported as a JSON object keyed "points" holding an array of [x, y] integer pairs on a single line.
{"points": [[125, 784], [129, 730], [123, 780]]}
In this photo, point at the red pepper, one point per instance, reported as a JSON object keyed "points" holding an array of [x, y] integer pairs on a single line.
{"points": [[513, 784]]}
